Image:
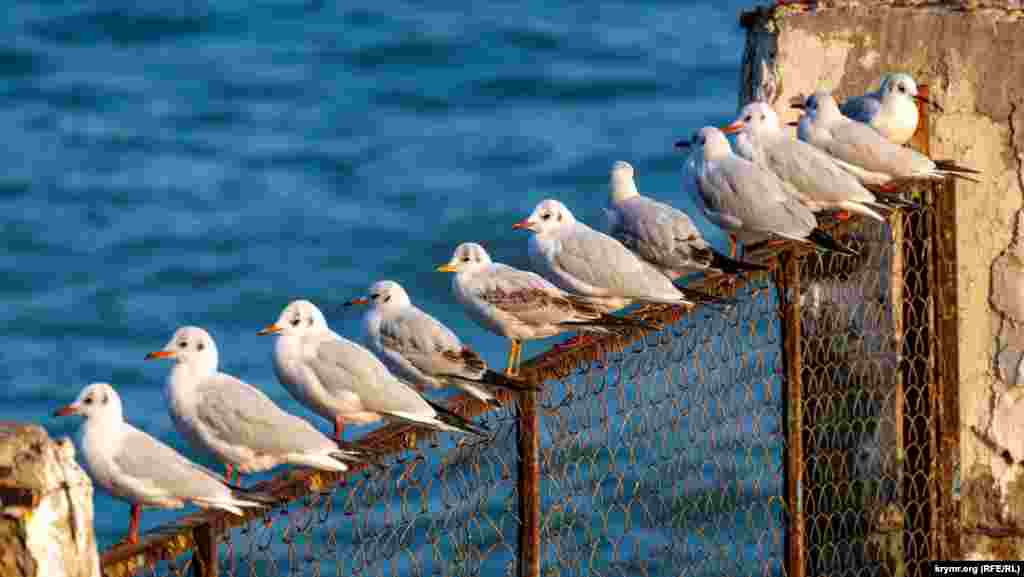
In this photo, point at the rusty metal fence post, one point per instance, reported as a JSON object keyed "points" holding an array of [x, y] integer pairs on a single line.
{"points": [[788, 287], [204, 556], [528, 484]]}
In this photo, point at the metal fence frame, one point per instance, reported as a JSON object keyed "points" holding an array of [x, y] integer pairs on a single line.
{"points": [[935, 454]]}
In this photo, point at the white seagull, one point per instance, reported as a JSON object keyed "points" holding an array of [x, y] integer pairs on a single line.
{"points": [[134, 466]]}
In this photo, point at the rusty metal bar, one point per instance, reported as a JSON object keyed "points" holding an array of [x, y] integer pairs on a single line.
{"points": [[204, 557], [528, 485], [788, 287]]}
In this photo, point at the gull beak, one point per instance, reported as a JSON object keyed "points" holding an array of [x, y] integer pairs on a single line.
{"points": [[732, 128], [160, 355], [64, 411], [445, 268], [269, 330], [797, 102], [524, 224], [682, 143], [793, 123], [358, 301], [924, 100]]}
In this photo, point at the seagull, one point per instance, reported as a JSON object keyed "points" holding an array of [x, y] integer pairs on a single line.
{"points": [[418, 349], [819, 183], [585, 262], [749, 202], [134, 466], [521, 305], [891, 110], [660, 234], [343, 382], [864, 152], [233, 420]]}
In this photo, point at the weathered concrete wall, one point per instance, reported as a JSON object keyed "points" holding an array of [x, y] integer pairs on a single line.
{"points": [[45, 507], [973, 61]]}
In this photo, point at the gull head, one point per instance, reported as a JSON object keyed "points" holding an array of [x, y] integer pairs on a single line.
{"points": [[621, 184], [901, 86], [755, 118], [385, 295], [714, 143], [468, 256], [190, 346], [549, 215], [298, 318], [95, 400]]}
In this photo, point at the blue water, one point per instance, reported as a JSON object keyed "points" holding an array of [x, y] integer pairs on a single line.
{"points": [[205, 163]]}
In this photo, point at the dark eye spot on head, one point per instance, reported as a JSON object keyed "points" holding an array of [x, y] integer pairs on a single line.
{"points": [[387, 298], [465, 259], [309, 321], [105, 398], [763, 117], [559, 217], [747, 119], [200, 346], [88, 400], [545, 216], [182, 344], [296, 321]]}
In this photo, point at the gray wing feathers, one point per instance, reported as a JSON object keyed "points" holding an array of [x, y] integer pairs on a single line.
{"points": [[660, 234], [422, 341], [379, 391], [160, 469], [757, 199], [814, 173], [602, 262]]}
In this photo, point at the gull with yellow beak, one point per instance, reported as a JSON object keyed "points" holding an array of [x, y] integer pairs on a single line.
{"points": [[520, 305], [420, 350], [134, 466], [344, 382], [234, 421]]}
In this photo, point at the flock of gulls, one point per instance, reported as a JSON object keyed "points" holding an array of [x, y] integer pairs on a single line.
{"points": [[848, 159]]}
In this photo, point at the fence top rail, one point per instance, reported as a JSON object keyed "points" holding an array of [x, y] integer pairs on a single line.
{"points": [[171, 540]]}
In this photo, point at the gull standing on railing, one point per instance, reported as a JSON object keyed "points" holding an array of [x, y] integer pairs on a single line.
{"points": [[521, 305], [750, 202], [420, 350], [820, 183], [661, 234], [864, 152], [344, 382], [132, 465], [233, 420]]}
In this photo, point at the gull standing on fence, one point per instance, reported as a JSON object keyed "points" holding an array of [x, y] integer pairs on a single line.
{"points": [[343, 382], [583, 261], [864, 152], [419, 350], [521, 305], [820, 183], [749, 202], [234, 421], [890, 110], [660, 234], [132, 465]]}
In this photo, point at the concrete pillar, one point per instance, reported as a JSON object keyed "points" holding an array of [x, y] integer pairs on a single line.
{"points": [[46, 516], [971, 55]]}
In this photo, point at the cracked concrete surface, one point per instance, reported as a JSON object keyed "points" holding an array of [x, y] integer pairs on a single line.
{"points": [[973, 62]]}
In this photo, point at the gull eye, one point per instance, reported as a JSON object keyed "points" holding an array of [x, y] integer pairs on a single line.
{"points": [[465, 259], [182, 344], [545, 216], [296, 321], [762, 117], [88, 400], [748, 118], [387, 298], [200, 347]]}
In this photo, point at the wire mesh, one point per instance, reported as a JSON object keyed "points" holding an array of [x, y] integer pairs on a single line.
{"points": [[662, 453]]}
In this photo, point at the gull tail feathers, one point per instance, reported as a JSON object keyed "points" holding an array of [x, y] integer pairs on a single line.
{"points": [[472, 388], [822, 239], [732, 266], [890, 201], [443, 420], [250, 497], [606, 323], [494, 379], [704, 298]]}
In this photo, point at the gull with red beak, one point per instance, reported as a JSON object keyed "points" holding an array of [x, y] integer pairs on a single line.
{"points": [[134, 466], [234, 421], [420, 350], [864, 152], [521, 305], [344, 382], [591, 264]]}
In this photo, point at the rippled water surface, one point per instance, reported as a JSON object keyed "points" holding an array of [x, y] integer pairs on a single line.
{"points": [[204, 163]]}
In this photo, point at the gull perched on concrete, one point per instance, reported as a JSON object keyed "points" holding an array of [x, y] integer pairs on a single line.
{"points": [[891, 110], [659, 233], [344, 382], [521, 305], [819, 182], [134, 466], [750, 202], [864, 151], [233, 420], [591, 264], [420, 350]]}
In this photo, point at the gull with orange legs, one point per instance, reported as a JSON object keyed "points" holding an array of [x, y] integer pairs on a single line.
{"points": [[132, 465], [234, 421], [344, 382]]}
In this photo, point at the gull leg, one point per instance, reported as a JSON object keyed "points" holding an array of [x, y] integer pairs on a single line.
{"points": [[228, 468], [339, 428], [842, 215], [732, 245], [511, 368], [133, 525]]}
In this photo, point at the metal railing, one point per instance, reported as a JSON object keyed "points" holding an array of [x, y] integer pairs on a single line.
{"points": [[809, 430]]}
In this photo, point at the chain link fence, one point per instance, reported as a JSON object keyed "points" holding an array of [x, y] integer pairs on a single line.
{"points": [[795, 433]]}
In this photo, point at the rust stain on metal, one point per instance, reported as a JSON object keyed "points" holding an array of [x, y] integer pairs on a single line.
{"points": [[788, 286], [528, 433]]}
